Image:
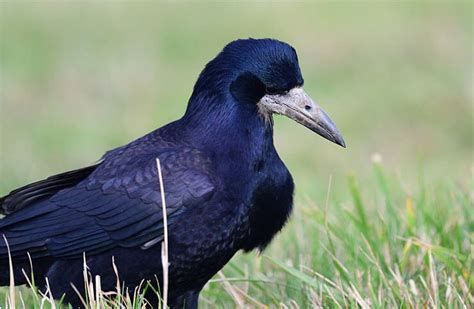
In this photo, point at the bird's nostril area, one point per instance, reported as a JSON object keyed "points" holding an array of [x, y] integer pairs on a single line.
{"points": [[307, 107]]}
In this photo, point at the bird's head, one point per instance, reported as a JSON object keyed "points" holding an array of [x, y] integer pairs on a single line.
{"points": [[264, 75]]}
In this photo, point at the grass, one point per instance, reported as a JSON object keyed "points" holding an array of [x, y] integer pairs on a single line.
{"points": [[386, 248], [396, 77]]}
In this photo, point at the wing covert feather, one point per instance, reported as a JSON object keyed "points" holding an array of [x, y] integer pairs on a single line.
{"points": [[118, 204]]}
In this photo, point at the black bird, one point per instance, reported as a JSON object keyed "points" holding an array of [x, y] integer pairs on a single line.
{"points": [[226, 188]]}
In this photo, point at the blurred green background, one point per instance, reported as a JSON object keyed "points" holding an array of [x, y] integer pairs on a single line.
{"points": [[80, 78]]}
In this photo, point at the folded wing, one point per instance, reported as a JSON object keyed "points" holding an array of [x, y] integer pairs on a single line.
{"points": [[117, 204]]}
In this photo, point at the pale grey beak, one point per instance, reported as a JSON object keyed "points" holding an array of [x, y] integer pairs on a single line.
{"points": [[297, 105]]}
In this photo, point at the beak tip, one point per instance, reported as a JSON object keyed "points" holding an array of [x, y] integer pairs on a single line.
{"points": [[340, 141]]}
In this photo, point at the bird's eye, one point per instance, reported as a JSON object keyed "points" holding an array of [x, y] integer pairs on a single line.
{"points": [[271, 90]]}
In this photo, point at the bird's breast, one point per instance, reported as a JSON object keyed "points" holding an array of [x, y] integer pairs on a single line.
{"points": [[269, 208]]}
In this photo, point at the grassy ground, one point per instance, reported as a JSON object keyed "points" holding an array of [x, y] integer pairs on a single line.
{"points": [[78, 79]]}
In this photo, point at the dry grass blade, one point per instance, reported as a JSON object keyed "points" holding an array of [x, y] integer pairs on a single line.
{"points": [[117, 283], [330, 283], [433, 280], [11, 297], [98, 292], [232, 291], [356, 295], [48, 295], [164, 244]]}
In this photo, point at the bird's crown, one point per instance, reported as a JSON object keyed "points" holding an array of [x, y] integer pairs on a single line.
{"points": [[251, 66]]}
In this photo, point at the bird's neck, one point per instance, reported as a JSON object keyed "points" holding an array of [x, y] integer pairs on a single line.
{"points": [[230, 128]]}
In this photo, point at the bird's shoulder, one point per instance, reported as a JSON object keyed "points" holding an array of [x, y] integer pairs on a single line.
{"points": [[133, 168]]}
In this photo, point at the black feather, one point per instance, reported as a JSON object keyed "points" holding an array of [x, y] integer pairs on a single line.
{"points": [[37, 191]]}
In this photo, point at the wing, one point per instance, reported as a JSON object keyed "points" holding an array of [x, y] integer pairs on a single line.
{"points": [[119, 204], [40, 190]]}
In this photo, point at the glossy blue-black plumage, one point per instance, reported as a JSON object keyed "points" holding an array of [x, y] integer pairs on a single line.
{"points": [[225, 186]]}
